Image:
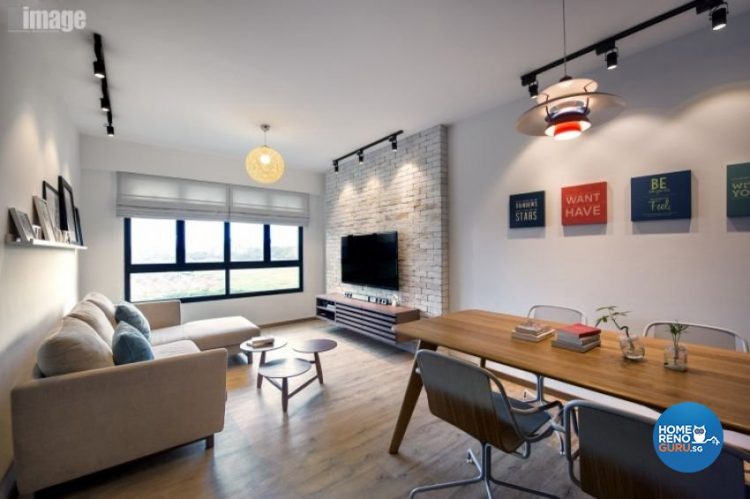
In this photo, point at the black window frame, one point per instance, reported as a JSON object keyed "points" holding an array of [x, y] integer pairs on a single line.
{"points": [[226, 265]]}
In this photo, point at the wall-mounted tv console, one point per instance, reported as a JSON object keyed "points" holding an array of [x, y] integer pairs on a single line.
{"points": [[369, 319]]}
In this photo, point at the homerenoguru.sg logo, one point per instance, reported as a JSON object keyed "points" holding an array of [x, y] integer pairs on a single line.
{"points": [[27, 19], [688, 437]]}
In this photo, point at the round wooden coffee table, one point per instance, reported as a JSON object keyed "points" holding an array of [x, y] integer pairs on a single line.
{"points": [[284, 369], [315, 347], [250, 350]]}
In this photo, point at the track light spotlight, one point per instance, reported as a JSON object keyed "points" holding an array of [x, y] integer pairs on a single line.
{"points": [[361, 156], [533, 89], [719, 17], [104, 104], [394, 143], [99, 69], [110, 131], [335, 165], [611, 59]]}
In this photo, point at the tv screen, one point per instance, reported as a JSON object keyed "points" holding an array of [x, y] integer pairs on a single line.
{"points": [[370, 260]]}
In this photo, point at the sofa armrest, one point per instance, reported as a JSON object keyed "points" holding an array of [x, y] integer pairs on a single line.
{"points": [[71, 425], [161, 314]]}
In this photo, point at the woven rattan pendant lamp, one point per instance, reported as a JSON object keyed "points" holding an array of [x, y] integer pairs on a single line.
{"points": [[264, 164]]}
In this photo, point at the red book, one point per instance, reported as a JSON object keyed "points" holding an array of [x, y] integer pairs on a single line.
{"points": [[579, 330]]}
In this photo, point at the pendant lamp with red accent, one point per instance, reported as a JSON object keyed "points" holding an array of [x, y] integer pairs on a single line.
{"points": [[568, 108]]}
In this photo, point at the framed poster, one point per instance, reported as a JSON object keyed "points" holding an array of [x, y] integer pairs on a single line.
{"points": [[67, 209], [527, 210], [52, 198], [584, 204], [738, 190], [665, 196], [42, 212]]}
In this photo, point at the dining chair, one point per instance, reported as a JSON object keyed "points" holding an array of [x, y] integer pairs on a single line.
{"points": [[700, 334], [616, 459], [460, 393]]}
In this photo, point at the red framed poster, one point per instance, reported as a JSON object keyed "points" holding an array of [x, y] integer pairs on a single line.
{"points": [[584, 204]]}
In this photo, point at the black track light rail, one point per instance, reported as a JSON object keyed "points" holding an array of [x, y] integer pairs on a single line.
{"points": [[608, 43], [360, 151], [105, 98]]}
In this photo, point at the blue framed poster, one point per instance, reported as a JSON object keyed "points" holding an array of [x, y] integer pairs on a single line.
{"points": [[664, 196], [527, 210], [738, 190]]}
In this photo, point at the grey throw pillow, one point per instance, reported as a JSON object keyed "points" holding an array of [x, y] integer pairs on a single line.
{"points": [[127, 312], [129, 345]]}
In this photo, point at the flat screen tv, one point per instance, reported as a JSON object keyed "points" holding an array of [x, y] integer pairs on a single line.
{"points": [[370, 260]]}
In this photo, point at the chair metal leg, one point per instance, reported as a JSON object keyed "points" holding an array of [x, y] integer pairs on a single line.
{"points": [[485, 476], [457, 483]]}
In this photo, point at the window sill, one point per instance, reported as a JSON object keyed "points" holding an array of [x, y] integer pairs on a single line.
{"points": [[195, 299]]}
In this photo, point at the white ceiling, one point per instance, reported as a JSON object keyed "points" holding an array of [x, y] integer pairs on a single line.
{"points": [[328, 75]]}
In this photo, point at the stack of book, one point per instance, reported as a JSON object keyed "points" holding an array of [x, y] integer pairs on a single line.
{"points": [[577, 337], [261, 341], [531, 331]]}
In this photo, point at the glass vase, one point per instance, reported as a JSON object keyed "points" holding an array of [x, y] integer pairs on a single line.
{"points": [[676, 359], [631, 346]]}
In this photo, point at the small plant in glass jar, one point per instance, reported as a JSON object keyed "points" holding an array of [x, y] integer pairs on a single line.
{"points": [[631, 346], [675, 355]]}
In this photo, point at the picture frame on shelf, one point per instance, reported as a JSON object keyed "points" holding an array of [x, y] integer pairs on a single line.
{"points": [[23, 225], [45, 221], [79, 229], [67, 209], [52, 198]]}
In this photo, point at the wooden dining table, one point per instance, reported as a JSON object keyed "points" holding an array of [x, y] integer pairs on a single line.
{"points": [[717, 378]]}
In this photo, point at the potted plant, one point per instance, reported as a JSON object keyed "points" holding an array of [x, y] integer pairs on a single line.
{"points": [[675, 355], [630, 344]]}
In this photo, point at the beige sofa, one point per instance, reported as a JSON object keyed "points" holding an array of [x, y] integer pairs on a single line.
{"points": [[91, 415]]}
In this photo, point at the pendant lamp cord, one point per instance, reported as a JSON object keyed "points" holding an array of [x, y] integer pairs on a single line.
{"points": [[565, 42], [265, 138]]}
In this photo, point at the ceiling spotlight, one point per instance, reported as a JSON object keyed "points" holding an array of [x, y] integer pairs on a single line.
{"points": [[533, 89], [719, 17], [99, 69], [104, 104], [336, 165], [110, 131], [361, 156], [394, 143], [611, 59]]}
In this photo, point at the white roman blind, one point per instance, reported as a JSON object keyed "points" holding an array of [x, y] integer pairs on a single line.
{"points": [[150, 196], [253, 204]]}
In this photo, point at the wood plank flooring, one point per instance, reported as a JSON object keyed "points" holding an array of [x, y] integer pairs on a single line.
{"points": [[332, 443]]}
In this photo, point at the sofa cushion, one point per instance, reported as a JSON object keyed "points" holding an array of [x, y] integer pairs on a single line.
{"points": [[175, 348], [208, 334], [75, 347], [104, 303], [94, 317], [129, 345], [127, 312]]}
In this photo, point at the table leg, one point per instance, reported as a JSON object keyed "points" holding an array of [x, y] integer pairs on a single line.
{"points": [[249, 356], [284, 393], [262, 361], [318, 368], [413, 389]]}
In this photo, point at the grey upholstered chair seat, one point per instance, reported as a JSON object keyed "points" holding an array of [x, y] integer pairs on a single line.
{"points": [[528, 423]]}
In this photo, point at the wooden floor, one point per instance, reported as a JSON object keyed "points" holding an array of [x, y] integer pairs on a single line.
{"points": [[332, 443]]}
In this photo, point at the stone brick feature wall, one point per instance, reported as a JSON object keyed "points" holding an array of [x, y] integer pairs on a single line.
{"points": [[405, 191]]}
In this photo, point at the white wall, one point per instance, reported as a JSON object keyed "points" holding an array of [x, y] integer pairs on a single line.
{"points": [[37, 143], [102, 267], [688, 107]]}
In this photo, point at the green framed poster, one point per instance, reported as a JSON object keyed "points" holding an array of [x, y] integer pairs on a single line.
{"points": [[738, 190]]}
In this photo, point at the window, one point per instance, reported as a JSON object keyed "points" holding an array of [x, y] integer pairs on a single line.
{"points": [[197, 260]]}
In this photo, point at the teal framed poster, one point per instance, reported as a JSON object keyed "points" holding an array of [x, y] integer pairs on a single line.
{"points": [[665, 196], [527, 210], [738, 190]]}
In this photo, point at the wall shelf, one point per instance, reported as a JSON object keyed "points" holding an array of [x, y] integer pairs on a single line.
{"points": [[41, 243]]}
